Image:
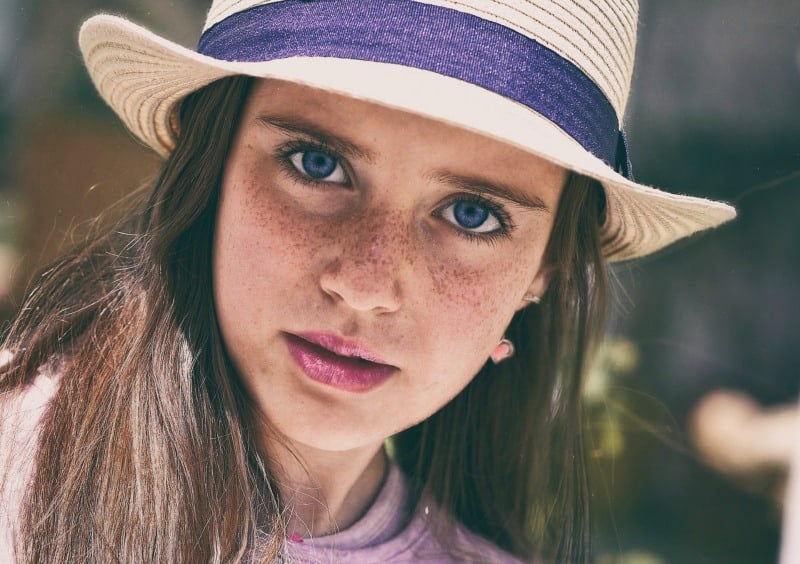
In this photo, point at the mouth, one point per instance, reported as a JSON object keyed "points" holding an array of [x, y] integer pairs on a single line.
{"points": [[332, 361]]}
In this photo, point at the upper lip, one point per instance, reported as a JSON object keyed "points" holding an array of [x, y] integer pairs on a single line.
{"points": [[341, 346]]}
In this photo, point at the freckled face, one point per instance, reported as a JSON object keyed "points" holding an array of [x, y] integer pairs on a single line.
{"points": [[400, 235]]}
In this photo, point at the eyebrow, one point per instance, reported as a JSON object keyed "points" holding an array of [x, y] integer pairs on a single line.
{"points": [[296, 125], [480, 186]]}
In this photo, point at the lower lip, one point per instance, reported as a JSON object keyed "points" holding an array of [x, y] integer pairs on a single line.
{"points": [[344, 373]]}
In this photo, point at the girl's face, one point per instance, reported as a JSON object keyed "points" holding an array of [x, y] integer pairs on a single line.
{"points": [[367, 261]]}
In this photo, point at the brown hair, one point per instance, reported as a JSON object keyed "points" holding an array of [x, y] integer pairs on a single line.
{"points": [[517, 426], [145, 451]]}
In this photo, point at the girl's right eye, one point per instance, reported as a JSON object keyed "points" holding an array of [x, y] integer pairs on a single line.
{"points": [[318, 165]]}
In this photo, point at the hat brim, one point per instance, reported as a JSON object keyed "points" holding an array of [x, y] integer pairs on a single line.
{"points": [[143, 77]]}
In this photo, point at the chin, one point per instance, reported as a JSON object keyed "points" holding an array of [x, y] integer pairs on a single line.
{"points": [[328, 428], [335, 440]]}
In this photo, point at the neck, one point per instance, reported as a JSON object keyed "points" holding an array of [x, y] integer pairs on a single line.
{"points": [[325, 491]]}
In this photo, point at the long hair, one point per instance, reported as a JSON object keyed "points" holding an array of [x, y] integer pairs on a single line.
{"points": [[505, 457], [145, 453]]}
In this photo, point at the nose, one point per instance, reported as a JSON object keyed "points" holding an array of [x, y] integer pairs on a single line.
{"points": [[365, 274]]}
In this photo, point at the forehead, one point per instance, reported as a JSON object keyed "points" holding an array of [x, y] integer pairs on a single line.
{"points": [[375, 128]]}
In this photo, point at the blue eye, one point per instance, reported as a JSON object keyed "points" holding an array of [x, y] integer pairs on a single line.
{"points": [[469, 215], [319, 165], [472, 216]]}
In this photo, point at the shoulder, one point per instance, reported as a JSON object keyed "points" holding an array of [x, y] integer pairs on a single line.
{"points": [[790, 539], [21, 412], [22, 409]]}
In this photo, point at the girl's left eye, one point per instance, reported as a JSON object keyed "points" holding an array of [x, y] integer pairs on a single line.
{"points": [[473, 217], [318, 165]]}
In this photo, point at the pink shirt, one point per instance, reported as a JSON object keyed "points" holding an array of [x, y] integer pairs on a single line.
{"points": [[19, 419], [388, 532], [790, 538]]}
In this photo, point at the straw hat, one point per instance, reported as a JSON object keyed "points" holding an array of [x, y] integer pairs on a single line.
{"points": [[549, 76]]}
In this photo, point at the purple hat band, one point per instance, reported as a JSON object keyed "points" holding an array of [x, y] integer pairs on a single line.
{"points": [[434, 38]]}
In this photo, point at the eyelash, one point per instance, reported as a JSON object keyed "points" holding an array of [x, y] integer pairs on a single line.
{"points": [[287, 150], [502, 216]]}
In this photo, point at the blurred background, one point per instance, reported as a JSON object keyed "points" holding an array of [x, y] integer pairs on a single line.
{"points": [[715, 112]]}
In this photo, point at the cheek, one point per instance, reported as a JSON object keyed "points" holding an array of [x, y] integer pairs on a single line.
{"points": [[470, 309], [485, 282], [484, 292], [466, 311], [260, 251]]}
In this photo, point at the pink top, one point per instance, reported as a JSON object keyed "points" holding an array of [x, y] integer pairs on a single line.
{"points": [[19, 419], [388, 532], [790, 539]]}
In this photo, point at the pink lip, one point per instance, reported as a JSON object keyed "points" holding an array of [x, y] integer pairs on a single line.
{"points": [[331, 360]]}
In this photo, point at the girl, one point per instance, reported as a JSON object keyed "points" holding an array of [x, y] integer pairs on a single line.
{"points": [[300, 342]]}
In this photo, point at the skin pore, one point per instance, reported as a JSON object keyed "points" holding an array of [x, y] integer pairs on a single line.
{"points": [[387, 233]]}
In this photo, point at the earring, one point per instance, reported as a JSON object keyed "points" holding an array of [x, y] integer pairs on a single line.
{"points": [[503, 351], [532, 299]]}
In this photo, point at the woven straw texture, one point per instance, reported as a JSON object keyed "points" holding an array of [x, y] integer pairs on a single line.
{"points": [[598, 36], [143, 77]]}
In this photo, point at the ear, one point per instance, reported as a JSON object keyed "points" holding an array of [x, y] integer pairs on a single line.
{"points": [[539, 285]]}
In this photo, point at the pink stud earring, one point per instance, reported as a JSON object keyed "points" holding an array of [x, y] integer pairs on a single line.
{"points": [[503, 351], [532, 299]]}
